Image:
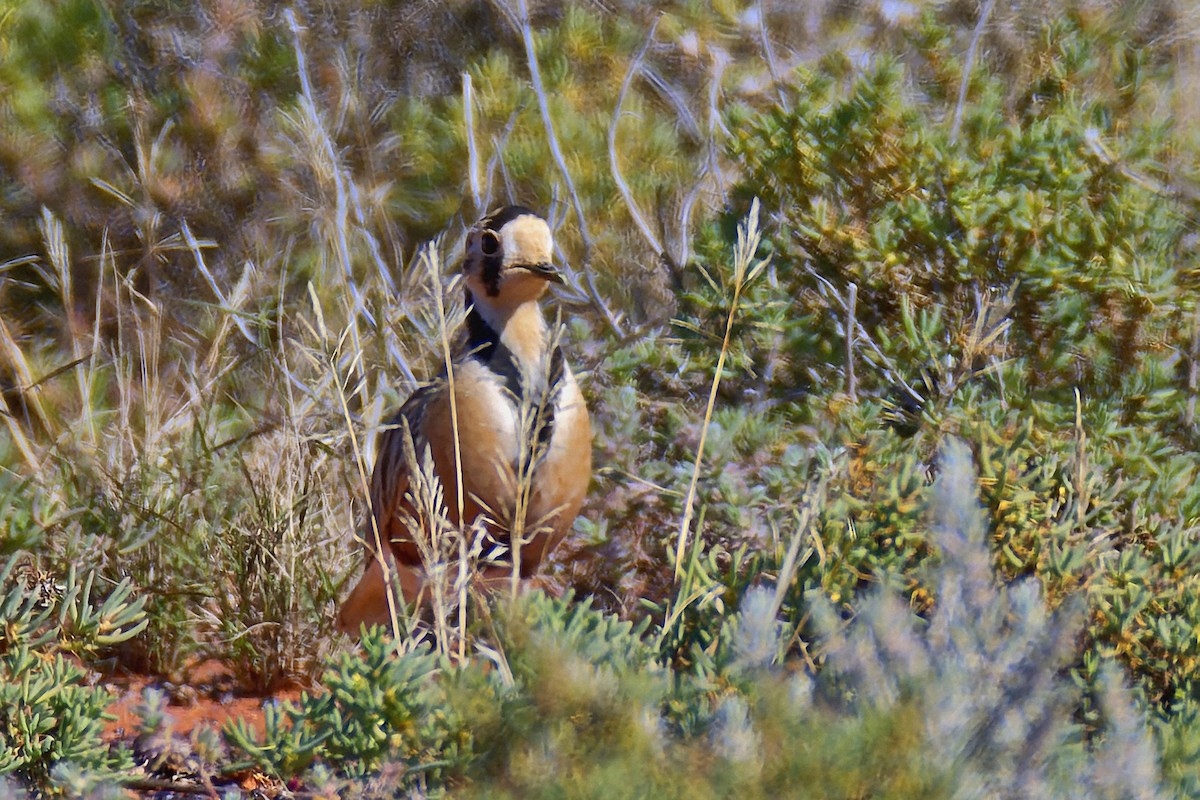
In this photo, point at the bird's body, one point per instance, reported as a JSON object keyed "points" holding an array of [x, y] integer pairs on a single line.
{"points": [[522, 426]]}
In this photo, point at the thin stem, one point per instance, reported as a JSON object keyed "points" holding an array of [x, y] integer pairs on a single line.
{"points": [[634, 210], [1193, 371], [560, 161], [769, 55], [377, 545], [968, 67], [433, 263], [472, 150], [749, 236], [851, 325], [309, 104], [805, 528]]}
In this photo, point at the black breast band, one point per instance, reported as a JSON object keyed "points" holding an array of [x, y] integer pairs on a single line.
{"points": [[484, 345]]}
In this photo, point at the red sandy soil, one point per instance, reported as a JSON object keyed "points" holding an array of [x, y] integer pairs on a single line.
{"points": [[210, 696]]}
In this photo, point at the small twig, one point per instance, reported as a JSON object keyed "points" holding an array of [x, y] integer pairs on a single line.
{"points": [[720, 60], [176, 787], [208, 788], [627, 193], [472, 151], [674, 98], [769, 55], [1081, 493], [815, 499], [54, 373], [560, 160], [1193, 371], [685, 217], [498, 144], [972, 49], [507, 13], [851, 325], [885, 363]]}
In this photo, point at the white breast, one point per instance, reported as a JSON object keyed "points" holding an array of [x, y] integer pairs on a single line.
{"points": [[569, 412], [492, 442], [482, 394]]}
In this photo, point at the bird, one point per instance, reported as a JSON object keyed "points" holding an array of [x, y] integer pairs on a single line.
{"points": [[520, 416]]}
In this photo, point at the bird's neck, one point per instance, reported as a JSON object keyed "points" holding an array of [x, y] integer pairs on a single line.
{"points": [[519, 329]]}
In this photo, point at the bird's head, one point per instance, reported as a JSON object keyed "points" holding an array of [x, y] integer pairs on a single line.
{"points": [[509, 257]]}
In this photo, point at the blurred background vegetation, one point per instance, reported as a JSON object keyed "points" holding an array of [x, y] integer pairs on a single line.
{"points": [[976, 224]]}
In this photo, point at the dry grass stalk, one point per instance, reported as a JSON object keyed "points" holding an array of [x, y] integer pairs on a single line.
{"points": [[745, 270]]}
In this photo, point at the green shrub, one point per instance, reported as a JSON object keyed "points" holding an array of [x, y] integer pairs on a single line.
{"points": [[562, 698], [51, 715], [1024, 282]]}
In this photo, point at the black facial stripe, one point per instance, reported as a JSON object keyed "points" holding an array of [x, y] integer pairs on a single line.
{"points": [[502, 216], [493, 265]]}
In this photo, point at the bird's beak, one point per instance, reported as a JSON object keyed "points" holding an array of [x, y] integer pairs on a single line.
{"points": [[547, 271]]}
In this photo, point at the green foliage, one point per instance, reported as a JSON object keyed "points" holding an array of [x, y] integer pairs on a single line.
{"points": [[1060, 204], [982, 280], [51, 715], [1027, 285], [567, 699], [574, 629], [407, 711], [375, 706]]}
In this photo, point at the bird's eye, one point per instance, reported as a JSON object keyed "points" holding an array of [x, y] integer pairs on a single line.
{"points": [[489, 243]]}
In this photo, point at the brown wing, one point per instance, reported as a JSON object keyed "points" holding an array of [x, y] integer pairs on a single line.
{"points": [[562, 479], [367, 602], [389, 480], [426, 417]]}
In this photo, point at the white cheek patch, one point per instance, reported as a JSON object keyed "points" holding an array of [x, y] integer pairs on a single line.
{"points": [[527, 240]]}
